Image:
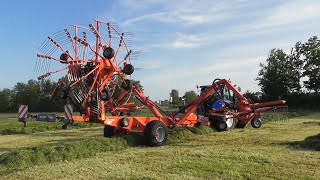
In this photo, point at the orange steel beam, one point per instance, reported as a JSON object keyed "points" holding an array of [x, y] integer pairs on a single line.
{"points": [[151, 105]]}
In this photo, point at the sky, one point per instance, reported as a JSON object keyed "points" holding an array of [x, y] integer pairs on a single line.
{"points": [[182, 44]]}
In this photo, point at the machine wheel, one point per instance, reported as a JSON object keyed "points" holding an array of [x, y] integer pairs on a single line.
{"points": [[108, 131], [239, 125], [105, 95], [108, 53], [128, 69], [155, 133], [256, 123], [221, 125], [64, 127]]}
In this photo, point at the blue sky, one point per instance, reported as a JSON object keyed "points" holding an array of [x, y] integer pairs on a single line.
{"points": [[182, 43]]}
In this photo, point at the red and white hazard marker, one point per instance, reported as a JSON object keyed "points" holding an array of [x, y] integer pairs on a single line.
{"points": [[68, 110], [23, 112]]}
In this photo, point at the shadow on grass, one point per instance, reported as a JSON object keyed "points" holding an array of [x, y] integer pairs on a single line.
{"points": [[309, 143], [312, 123]]}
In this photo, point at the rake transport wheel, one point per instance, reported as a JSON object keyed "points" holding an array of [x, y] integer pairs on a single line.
{"points": [[156, 133], [108, 131], [221, 125], [218, 123], [256, 123], [64, 127], [240, 125]]}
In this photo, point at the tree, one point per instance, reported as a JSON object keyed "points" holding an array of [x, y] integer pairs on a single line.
{"points": [[295, 65], [278, 76], [190, 96], [174, 94], [311, 66], [5, 100]]}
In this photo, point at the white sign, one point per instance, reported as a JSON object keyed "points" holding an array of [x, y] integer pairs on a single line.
{"points": [[23, 111], [68, 110]]}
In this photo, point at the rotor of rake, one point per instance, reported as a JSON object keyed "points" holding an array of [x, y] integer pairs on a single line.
{"points": [[97, 62]]}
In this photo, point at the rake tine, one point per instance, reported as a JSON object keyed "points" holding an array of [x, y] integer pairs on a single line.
{"points": [[52, 50], [58, 32], [45, 65], [74, 95], [41, 66], [45, 46], [48, 49], [78, 96], [36, 66], [45, 42]]}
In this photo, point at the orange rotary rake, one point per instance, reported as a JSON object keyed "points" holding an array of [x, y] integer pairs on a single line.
{"points": [[95, 66], [97, 61]]}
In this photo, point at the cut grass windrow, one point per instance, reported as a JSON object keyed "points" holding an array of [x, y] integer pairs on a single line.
{"points": [[84, 148], [36, 127]]}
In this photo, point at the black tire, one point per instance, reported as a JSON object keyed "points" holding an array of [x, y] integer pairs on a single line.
{"points": [[239, 125], [108, 131], [64, 57], [256, 123], [64, 127], [105, 95], [108, 53], [221, 125], [128, 69], [156, 133]]}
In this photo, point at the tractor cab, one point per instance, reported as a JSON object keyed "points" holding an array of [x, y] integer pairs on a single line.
{"points": [[222, 98]]}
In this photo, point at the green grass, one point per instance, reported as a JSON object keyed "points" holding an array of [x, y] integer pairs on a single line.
{"points": [[8, 127], [279, 150]]}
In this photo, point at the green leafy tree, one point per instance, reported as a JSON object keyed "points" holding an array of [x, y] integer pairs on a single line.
{"points": [[176, 100], [311, 59], [276, 76], [5, 100], [190, 96]]}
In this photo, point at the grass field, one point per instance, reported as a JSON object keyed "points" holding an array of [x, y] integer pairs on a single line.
{"points": [[283, 149]]}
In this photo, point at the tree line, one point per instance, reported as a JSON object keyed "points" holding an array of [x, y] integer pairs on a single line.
{"points": [[283, 73], [39, 97], [176, 100], [33, 93], [293, 76]]}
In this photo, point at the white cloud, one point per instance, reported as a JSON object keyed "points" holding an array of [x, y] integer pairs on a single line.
{"points": [[152, 64], [189, 12], [292, 13], [189, 41]]}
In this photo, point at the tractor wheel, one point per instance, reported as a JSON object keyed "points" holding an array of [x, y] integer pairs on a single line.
{"points": [[239, 125], [256, 123], [64, 127], [221, 125], [108, 131], [155, 133]]}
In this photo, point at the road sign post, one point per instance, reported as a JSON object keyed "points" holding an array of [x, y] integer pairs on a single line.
{"points": [[68, 111], [23, 114]]}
